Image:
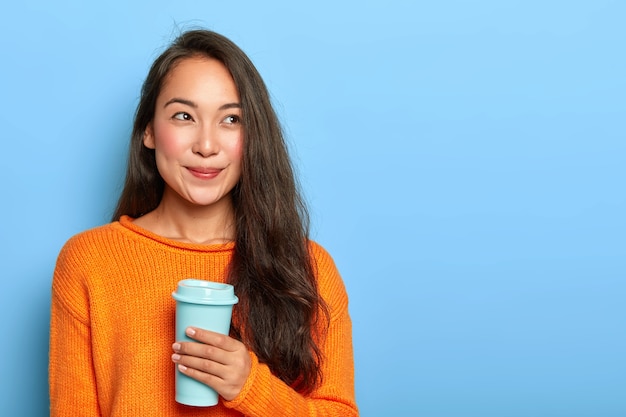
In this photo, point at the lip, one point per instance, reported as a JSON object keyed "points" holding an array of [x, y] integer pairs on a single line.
{"points": [[204, 173]]}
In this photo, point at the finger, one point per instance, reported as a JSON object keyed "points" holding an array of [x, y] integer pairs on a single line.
{"points": [[227, 372], [204, 366], [202, 351], [228, 389], [211, 380], [212, 338]]}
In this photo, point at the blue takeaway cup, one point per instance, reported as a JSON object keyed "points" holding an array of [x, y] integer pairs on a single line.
{"points": [[206, 305]]}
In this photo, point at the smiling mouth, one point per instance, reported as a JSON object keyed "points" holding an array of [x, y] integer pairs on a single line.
{"points": [[205, 173]]}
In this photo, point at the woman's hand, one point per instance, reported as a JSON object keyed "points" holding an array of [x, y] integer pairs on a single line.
{"points": [[218, 361]]}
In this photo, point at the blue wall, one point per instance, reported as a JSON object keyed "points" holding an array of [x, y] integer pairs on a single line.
{"points": [[465, 164]]}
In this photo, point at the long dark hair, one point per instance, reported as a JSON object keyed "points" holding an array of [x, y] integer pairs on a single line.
{"points": [[271, 268]]}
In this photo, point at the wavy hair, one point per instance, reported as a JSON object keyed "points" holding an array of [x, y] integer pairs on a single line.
{"points": [[280, 308]]}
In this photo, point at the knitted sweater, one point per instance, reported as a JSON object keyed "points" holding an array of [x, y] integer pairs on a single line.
{"points": [[112, 328]]}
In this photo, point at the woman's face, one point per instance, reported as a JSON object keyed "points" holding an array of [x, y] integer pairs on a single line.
{"points": [[197, 133]]}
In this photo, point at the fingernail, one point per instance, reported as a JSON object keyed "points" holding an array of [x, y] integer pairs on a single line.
{"points": [[182, 368], [176, 346], [191, 331], [175, 357]]}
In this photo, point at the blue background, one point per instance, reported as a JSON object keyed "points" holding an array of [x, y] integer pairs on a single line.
{"points": [[464, 163]]}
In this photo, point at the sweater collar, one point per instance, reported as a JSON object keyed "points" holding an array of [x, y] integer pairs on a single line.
{"points": [[127, 223]]}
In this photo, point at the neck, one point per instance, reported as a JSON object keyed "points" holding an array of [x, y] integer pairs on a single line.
{"points": [[177, 219]]}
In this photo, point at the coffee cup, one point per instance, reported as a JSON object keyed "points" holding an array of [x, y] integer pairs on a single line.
{"points": [[206, 305]]}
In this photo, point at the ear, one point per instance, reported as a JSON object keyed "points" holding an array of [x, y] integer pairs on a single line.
{"points": [[148, 137]]}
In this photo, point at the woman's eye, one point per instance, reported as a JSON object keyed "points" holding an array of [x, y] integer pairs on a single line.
{"points": [[182, 116], [232, 119]]}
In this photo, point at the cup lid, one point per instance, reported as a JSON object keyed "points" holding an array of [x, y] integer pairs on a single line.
{"points": [[199, 291]]}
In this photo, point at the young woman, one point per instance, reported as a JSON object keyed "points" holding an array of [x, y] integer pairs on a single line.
{"points": [[209, 193]]}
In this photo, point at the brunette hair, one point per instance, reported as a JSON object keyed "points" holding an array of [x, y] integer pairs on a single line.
{"points": [[280, 308]]}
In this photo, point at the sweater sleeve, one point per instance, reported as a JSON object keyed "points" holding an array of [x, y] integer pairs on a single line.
{"points": [[71, 374], [266, 395]]}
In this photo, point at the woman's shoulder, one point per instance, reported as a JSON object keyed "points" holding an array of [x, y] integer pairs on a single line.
{"points": [[329, 281], [91, 241], [94, 234], [318, 251], [323, 262], [83, 253]]}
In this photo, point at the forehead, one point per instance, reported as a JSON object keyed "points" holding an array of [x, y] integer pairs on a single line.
{"points": [[199, 76]]}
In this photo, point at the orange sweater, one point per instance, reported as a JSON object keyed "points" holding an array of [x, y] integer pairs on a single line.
{"points": [[112, 327]]}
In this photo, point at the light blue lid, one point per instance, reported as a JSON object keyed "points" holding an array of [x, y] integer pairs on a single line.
{"points": [[198, 291]]}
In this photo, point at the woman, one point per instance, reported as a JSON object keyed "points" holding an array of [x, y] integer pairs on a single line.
{"points": [[209, 193]]}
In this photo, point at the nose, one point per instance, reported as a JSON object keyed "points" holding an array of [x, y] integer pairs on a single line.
{"points": [[205, 143]]}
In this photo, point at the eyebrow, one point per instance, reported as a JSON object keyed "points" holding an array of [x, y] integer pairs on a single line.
{"points": [[195, 105]]}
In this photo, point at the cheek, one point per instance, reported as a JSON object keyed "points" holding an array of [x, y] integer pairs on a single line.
{"points": [[235, 149], [167, 140], [239, 150], [235, 154]]}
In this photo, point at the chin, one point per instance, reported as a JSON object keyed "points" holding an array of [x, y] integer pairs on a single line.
{"points": [[209, 202]]}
